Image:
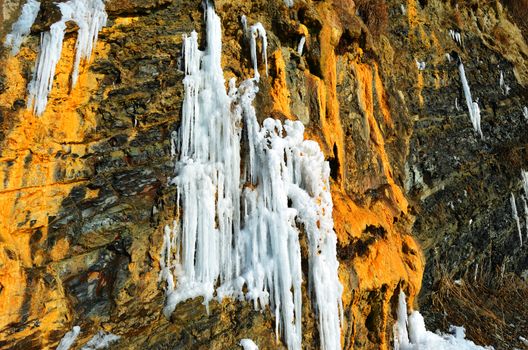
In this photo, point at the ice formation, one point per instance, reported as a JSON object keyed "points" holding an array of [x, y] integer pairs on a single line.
{"points": [[516, 216], [455, 35], [300, 47], [101, 340], [90, 17], [238, 231], [474, 110], [288, 3], [525, 207], [410, 333], [525, 112], [420, 65], [524, 177], [502, 84], [248, 344], [257, 31], [69, 338], [22, 27]]}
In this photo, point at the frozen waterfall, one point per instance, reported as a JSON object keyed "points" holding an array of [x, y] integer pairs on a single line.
{"points": [[237, 234]]}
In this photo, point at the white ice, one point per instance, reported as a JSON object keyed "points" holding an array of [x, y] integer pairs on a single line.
{"points": [[238, 233], [516, 216], [525, 112], [474, 110], [410, 333], [524, 178], [257, 31], [22, 27], [502, 84], [300, 47], [90, 17], [248, 344], [102, 340], [455, 35], [69, 338], [420, 65]]}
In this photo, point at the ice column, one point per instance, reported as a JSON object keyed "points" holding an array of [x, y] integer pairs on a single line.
{"points": [[22, 27]]}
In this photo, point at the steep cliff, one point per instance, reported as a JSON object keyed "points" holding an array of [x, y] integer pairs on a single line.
{"points": [[85, 191]]}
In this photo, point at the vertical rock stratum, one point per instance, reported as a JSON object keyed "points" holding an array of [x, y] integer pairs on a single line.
{"points": [[85, 193]]}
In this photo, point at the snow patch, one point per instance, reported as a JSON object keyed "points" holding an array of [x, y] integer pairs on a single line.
{"points": [[248, 344], [69, 338], [101, 340], [410, 333]]}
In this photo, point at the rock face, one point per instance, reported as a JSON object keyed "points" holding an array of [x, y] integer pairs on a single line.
{"points": [[84, 192]]}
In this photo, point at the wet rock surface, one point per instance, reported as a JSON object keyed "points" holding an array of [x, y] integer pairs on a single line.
{"points": [[84, 189]]}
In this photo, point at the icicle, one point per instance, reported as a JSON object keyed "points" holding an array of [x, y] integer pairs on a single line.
{"points": [[448, 56], [455, 35], [248, 344], [420, 65], [525, 207], [524, 177], [402, 9], [257, 31], [69, 338], [525, 113], [301, 45], [503, 86], [515, 216], [22, 27], [474, 110], [50, 51], [90, 17]]}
